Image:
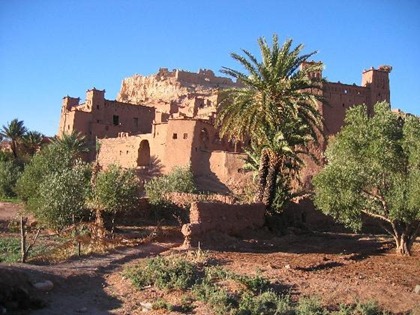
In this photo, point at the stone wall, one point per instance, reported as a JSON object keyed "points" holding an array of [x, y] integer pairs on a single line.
{"points": [[225, 218]]}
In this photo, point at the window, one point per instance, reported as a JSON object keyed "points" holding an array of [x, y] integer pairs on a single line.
{"points": [[116, 120], [185, 136], [174, 136], [97, 106]]}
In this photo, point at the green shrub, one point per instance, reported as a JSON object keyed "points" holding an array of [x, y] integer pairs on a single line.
{"points": [[10, 172], [266, 303], [9, 249], [161, 304], [218, 298], [164, 273], [256, 284], [205, 284], [179, 180], [368, 308], [310, 306]]}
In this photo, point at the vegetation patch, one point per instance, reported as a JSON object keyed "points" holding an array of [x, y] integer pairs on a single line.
{"points": [[9, 249], [226, 292]]}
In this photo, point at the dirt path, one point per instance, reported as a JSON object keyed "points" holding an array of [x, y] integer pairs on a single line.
{"points": [[80, 285]]}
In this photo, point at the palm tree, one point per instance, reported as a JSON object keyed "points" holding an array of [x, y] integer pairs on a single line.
{"points": [[74, 142], [14, 131], [276, 108], [32, 141]]}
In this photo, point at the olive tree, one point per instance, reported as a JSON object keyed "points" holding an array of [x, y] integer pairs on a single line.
{"points": [[115, 190], [373, 169], [53, 187], [62, 197]]}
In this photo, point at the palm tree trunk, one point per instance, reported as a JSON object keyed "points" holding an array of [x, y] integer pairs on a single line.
{"points": [[262, 175], [270, 189], [13, 146]]}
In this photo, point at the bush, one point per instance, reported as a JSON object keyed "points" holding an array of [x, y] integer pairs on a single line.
{"points": [[178, 273], [310, 306], [164, 273], [179, 180], [266, 303], [208, 284], [10, 172]]}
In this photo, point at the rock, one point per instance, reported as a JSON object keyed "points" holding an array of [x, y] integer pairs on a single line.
{"points": [[46, 285], [417, 289], [146, 306]]}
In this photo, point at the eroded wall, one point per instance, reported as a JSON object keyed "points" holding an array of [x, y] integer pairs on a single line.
{"points": [[101, 118], [230, 219]]}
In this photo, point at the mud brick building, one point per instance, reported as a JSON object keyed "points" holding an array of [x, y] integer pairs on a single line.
{"points": [[165, 120]]}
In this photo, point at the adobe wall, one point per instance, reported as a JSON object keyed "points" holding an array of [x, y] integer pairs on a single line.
{"points": [[179, 143], [122, 151], [98, 117], [225, 218], [339, 97], [184, 199]]}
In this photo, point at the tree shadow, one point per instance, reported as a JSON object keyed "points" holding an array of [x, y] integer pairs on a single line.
{"points": [[354, 246], [153, 169]]}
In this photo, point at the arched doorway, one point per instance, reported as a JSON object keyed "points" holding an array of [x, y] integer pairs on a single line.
{"points": [[143, 158]]}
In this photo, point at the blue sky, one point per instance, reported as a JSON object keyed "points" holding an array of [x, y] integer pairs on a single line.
{"points": [[50, 48]]}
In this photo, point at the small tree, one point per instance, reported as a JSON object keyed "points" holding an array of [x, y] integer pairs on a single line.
{"points": [[62, 196], [53, 186], [116, 190], [373, 169]]}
